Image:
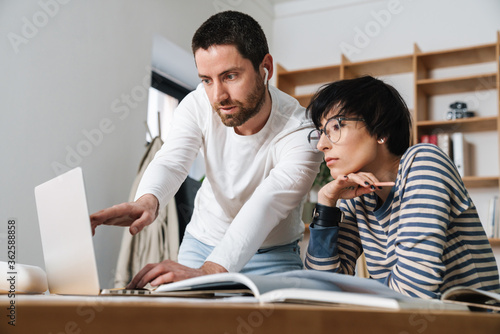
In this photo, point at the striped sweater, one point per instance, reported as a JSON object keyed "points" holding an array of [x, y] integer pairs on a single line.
{"points": [[425, 238]]}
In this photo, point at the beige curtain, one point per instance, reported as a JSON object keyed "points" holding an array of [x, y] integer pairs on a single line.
{"points": [[155, 243]]}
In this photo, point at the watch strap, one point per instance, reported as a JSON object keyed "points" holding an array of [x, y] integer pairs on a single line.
{"points": [[327, 216]]}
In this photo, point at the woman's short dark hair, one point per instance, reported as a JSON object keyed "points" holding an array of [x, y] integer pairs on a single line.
{"points": [[233, 28], [379, 104]]}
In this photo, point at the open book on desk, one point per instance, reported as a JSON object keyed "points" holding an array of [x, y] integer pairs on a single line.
{"points": [[300, 286], [477, 300]]}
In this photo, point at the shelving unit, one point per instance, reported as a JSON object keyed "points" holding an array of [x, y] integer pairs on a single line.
{"points": [[289, 81], [423, 66], [426, 87]]}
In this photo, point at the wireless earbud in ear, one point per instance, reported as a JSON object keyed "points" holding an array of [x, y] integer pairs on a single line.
{"points": [[267, 74]]}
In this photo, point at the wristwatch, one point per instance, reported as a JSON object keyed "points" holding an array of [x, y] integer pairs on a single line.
{"points": [[327, 216]]}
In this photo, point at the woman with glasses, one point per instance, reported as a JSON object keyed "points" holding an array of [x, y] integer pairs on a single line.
{"points": [[404, 206]]}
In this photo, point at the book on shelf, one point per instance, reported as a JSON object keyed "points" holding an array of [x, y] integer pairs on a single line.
{"points": [[444, 143], [430, 139], [492, 227], [461, 154], [442, 140], [496, 226], [299, 286]]}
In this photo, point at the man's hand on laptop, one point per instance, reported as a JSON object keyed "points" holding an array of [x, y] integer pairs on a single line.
{"points": [[137, 215], [170, 271]]}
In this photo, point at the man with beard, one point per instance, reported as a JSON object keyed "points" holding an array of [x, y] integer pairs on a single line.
{"points": [[259, 165]]}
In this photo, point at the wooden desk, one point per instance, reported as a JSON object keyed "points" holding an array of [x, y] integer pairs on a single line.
{"points": [[57, 314]]}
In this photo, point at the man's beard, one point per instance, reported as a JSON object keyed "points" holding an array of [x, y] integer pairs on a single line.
{"points": [[247, 110]]}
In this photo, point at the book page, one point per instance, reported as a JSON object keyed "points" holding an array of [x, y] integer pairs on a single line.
{"points": [[255, 284], [309, 296], [472, 297], [297, 279], [222, 281], [347, 283]]}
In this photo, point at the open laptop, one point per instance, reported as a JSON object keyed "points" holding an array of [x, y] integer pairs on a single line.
{"points": [[67, 245], [66, 235]]}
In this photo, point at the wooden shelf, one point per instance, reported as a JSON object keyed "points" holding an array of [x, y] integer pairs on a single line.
{"points": [[458, 57], [495, 242], [426, 87], [480, 181], [304, 99], [311, 76], [458, 85], [472, 124], [378, 67]]}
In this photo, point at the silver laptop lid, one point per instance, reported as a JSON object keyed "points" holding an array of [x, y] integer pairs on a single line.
{"points": [[66, 235]]}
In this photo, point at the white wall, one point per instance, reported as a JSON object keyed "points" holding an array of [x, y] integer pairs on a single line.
{"points": [[315, 33], [82, 67], [309, 36]]}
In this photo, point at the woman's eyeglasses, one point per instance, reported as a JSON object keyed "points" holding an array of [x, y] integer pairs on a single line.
{"points": [[332, 130]]}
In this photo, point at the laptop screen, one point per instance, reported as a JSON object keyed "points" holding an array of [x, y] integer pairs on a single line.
{"points": [[66, 235]]}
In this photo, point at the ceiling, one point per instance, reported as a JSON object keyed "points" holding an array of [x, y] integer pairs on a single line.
{"points": [[274, 2], [283, 8]]}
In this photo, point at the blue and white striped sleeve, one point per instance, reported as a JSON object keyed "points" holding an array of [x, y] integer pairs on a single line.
{"points": [[334, 249]]}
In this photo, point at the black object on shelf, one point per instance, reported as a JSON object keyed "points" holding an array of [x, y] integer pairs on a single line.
{"points": [[459, 110]]}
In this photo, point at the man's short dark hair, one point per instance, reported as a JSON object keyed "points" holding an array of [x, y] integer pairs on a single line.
{"points": [[379, 104], [233, 28]]}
